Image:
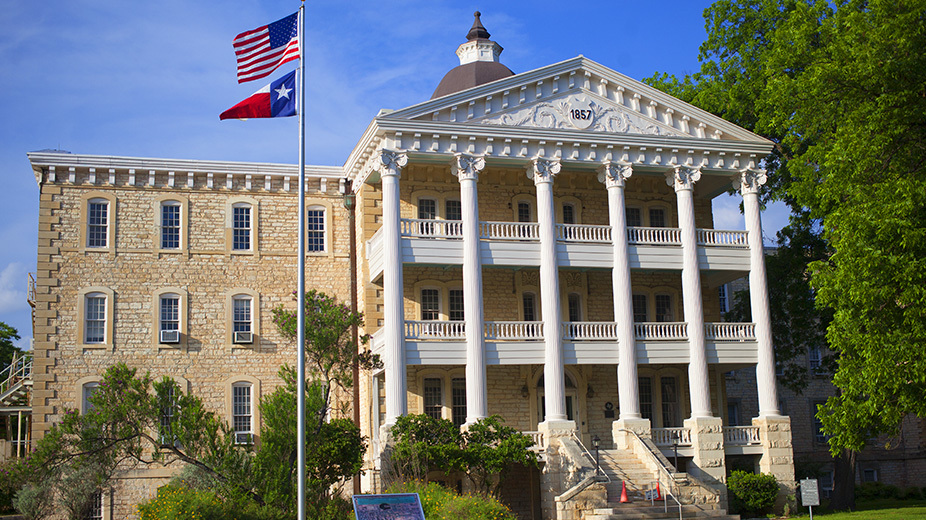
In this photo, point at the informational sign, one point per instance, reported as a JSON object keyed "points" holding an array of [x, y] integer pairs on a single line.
{"points": [[810, 493], [397, 506]]}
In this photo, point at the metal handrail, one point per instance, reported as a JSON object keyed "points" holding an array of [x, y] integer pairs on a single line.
{"points": [[590, 458], [20, 368], [670, 480]]}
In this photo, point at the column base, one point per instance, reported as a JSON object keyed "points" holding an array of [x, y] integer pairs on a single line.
{"points": [[777, 453], [621, 432], [708, 464], [552, 429]]}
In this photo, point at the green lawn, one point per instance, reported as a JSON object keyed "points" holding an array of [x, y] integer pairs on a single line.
{"points": [[877, 509]]}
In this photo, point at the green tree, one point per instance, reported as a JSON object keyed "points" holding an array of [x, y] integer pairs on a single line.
{"points": [[8, 349], [840, 88], [485, 451]]}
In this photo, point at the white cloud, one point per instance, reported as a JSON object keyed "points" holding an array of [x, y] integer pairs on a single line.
{"points": [[12, 288]]}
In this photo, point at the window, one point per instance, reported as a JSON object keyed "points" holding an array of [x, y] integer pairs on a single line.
{"points": [[524, 212], [241, 314], [639, 308], [95, 511], [669, 391], [657, 217], [458, 396], [815, 359], [427, 209], [456, 311], [454, 210], [87, 391], [646, 397], [241, 413], [826, 483], [818, 434], [315, 230], [569, 214], [170, 225], [722, 296], [575, 307], [430, 304], [433, 398], [869, 475], [241, 226], [170, 312], [664, 308], [95, 318], [167, 404], [733, 412], [634, 217], [98, 223], [529, 305]]}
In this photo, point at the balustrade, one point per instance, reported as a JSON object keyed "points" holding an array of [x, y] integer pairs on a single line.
{"points": [[741, 435], [583, 233], [509, 230], [590, 331], [514, 330], [730, 331], [648, 331], [719, 237], [669, 436], [654, 236], [431, 228]]}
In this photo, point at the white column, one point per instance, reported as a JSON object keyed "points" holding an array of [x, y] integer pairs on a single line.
{"points": [[614, 176], [390, 168], [467, 168], [748, 183], [683, 178], [542, 171]]}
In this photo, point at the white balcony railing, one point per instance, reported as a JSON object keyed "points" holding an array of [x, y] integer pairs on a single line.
{"points": [[730, 331], [718, 237], [430, 228], [514, 330], [583, 233], [654, 236], [590, 331], [435, 330], [577, 331], [669, 436], [666, 331], [537, 437], [509, 230], [741, 435]]}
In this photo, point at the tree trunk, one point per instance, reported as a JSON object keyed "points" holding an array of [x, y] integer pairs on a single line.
{"points": [[844, 481]]}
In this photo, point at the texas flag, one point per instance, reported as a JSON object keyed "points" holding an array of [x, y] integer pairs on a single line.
{"points": [[278, 99]]}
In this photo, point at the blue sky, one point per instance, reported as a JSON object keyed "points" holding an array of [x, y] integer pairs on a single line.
{"points": [[149, 79]]}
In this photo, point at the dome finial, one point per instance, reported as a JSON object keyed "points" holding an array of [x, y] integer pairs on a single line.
{"points": [[477, 31]]}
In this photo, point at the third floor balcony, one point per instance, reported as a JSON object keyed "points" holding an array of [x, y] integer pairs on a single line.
{"points": [[439, 242]]}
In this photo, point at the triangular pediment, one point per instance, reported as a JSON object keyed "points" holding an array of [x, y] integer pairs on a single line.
{"points": [[580, 110], [546, 98]]}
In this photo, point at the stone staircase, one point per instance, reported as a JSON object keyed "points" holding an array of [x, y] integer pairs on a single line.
{"points": [[622, 466]]}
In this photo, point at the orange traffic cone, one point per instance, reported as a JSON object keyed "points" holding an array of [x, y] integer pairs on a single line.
{"points": [[658, 492], [624, 498]]}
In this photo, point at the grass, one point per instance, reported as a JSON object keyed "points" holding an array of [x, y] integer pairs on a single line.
{"points": [[882, 509]]}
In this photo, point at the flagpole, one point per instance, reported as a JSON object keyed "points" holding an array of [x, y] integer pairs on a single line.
{"points": [[300, 323]]}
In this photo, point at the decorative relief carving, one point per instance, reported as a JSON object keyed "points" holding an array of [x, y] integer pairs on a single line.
{"points": [[570, 112], [683, 177], [749, 181], [543, 170], [574, 279], [390, 162], [466, 167], [530, 278], [614, 173]]}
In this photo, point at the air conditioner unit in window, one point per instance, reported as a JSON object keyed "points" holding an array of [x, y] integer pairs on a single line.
{"points": [[243, 338], [170, 336]]}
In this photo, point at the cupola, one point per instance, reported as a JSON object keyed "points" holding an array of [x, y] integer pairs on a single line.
{"points": [[478, 62]]}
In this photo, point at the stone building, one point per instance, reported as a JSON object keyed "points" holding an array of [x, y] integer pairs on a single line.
{"points": [[536, 245]]}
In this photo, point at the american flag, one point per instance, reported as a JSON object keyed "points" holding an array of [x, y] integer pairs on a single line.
{"points": [[264, 49]]}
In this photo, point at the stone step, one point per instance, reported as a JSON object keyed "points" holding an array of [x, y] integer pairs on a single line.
{"points": [[658, 512]]}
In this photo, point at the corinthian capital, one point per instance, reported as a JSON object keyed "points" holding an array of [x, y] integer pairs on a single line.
{"points": [[749, 181], [683, 177], [467, 167], [542, 170], [390, 162], [613, 174]]}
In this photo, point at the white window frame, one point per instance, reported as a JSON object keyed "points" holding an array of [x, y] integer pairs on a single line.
{"points": [[237, 229], [316, 232], [91, 224], [86, 391], [231, 299], [176, 228], [237, 416]]}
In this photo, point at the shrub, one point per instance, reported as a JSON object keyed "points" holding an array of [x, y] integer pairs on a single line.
{"points": [[440, 502], [876, 490], [176, 501], [752, 494]]}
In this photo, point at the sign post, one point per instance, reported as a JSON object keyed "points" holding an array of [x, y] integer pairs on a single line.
{"points": [[810, 494]]}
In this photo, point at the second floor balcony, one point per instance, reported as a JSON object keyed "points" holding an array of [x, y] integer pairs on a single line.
{"points": [[439, 242], [522, 342]]}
